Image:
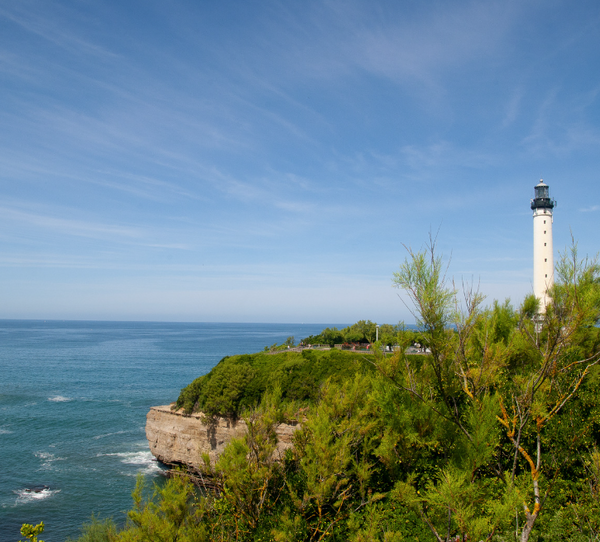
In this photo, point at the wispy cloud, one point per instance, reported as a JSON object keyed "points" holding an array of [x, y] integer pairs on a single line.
{"points": [[141, 186], [425, 160], [344, 39], [512, 108], [560, 125], [49, 26], [443, 38], [69, 226]]}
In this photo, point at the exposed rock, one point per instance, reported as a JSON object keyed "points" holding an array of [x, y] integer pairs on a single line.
{"points": [[178, 438], [36, 489]]}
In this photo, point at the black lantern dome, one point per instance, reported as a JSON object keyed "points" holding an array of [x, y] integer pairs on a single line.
{"points": [[542, 198]]}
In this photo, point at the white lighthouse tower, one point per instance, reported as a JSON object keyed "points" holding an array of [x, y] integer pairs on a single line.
{"points": [[543, 259]]}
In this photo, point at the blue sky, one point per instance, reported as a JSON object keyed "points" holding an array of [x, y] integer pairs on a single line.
{"points": [[269, 161]]}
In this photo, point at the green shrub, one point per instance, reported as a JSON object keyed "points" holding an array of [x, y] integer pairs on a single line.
{"points": [[237, 383], [97, 531]]}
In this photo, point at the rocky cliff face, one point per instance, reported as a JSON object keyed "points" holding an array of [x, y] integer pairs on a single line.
{"points": [[176, 438]]}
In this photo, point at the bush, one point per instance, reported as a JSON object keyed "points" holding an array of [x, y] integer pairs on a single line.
{"points": [[97, 531], [237, 383]]}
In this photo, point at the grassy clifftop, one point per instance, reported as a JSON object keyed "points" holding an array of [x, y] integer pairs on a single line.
{"points": [[239, 382]]}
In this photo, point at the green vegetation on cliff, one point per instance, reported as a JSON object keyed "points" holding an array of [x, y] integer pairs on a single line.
{"points": [[363, 331], [494, 435], [237, 383]]}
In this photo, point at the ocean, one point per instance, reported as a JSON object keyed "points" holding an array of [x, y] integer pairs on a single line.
{"points": [[73, 402]]}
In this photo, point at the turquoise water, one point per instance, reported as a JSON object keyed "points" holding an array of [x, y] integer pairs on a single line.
{"points": [[73, 404]]}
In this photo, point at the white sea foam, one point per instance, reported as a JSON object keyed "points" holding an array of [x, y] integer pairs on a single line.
{"points": [[5, 431], [110, 434], [44, 455], [48, 459], [27, 495], [59, 399], [144, 460]]}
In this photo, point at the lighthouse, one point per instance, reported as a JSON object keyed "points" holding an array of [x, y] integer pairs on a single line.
{"points": [[543, 259]]}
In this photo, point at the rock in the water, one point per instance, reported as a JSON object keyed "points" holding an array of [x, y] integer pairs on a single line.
{"points": [[36, 489]]}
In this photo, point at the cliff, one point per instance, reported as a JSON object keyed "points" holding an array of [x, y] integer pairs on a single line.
{"points": [[176, 438]]}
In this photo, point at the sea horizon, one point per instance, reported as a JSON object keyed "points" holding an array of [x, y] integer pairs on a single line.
{"points": [[92, 320]]}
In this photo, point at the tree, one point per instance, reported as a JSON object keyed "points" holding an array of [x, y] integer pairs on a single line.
{"points": [[559, 365], [31, 532], [173, 514], [247, 478], [490, 385], [333, 464]]}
